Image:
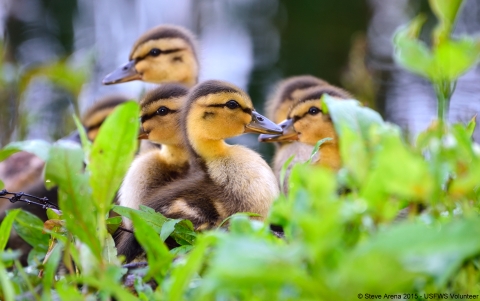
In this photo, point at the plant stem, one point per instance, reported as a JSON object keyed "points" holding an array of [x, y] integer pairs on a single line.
{"points": [[444, 91]]}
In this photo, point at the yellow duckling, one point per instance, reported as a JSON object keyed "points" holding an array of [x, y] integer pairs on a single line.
{"points": [[223, 179], [277, 107], [308, 124], [160, 118], [163, 54]]}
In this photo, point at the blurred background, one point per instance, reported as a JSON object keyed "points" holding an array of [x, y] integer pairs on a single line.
{"points": [[56, 52]]}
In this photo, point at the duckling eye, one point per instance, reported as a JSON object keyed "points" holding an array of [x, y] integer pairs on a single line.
{"points": [[232, 104], [154, 52], [314, 111], [162, 111]]}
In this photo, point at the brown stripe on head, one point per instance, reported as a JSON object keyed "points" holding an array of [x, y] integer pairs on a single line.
{"points": [[165, 91], [285, 91], [318, 92], [97, 113], [166, 32]]}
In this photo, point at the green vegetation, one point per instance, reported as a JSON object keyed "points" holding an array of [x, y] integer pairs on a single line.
{"points": [[399, 218]]}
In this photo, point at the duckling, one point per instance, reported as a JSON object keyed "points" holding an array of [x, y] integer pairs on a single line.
{"points": [[160, 118], [239, 179], [277, 107], [307, 123], [163, 54], [223, 179]]}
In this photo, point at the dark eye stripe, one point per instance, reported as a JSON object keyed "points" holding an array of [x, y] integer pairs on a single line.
{"points": [[168, 51], [222, 105], [146, 117]]}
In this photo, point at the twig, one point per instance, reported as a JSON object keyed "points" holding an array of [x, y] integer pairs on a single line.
{"points": [[20, 197]]}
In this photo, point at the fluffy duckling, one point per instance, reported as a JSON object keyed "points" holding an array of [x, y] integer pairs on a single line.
{"points": [[307, 123], [223, 179], [233, 178], [286, 93], [163, 54], [160, 118]]}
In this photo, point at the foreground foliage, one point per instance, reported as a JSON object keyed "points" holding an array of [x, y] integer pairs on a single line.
{"points": [[399, 218]]}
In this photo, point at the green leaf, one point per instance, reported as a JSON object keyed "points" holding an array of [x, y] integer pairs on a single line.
{"points": [[454, 58], [86, 144], [158, 256], [40, 148], [413, 252], [408, 173], [112, 152], [30, 228], [50, 270], [316, 148], [472, 125], [6, 227], [1, 184], [283, 172], [154, 219], [182, 274], [446, 11], [8, 292], [65, 169], [167, 228], [411, 53], [109, 250], [113, 223]]}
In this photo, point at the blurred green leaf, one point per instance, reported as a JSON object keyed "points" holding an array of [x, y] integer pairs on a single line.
{"points": [[112, 152], [54, 214], [1, 184], [446, 11], [6, 227], [472, 125], [109, 250], [30, 228], [158, 256], [454, 58], [182, 273], [411, 53], [65, 169], [86, 144], [40, 148], [113, 223], [51, 267], [7, 291], [408, 173], [167, 228]]}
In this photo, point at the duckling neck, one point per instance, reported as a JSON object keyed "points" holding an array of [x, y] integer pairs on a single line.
{"points": [[174, 154], [210, 149], [329, 156]]}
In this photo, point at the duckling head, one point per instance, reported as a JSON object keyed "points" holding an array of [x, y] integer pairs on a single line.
{"points": [[96, 114], [217, 110], [287, 93], [163, 54], [306, 121], [160, 114]]}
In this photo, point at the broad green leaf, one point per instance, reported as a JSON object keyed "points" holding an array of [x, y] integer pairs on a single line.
{"points": [[158, 256], [30, 228], [454, 58], [408, 173], [40, 148], [154, 219], [113, 223], [414, 251], [109, 250], [65, 169], [112, 152], [352, 114], [6, 227]]}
